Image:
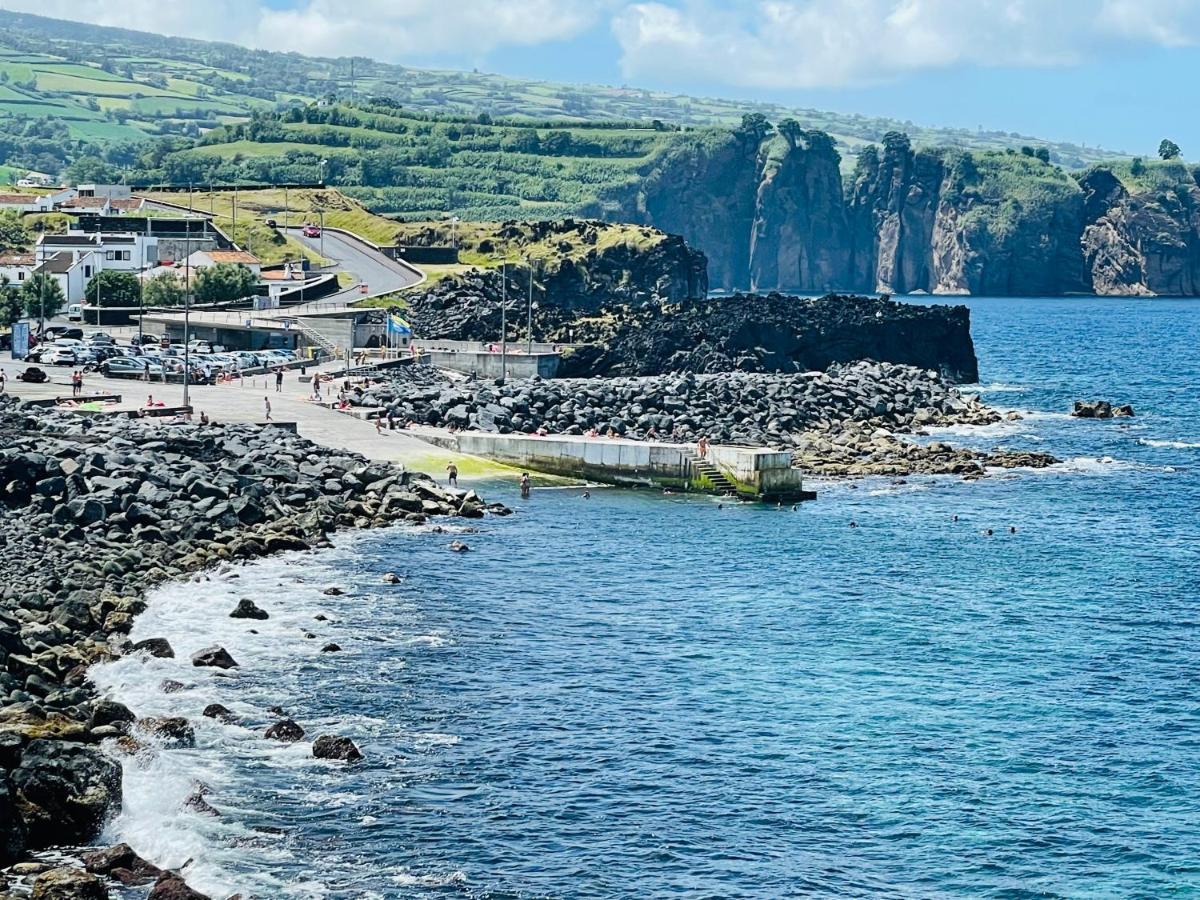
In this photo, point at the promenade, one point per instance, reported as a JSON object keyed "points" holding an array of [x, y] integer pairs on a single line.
{"points": [[243, 402]]}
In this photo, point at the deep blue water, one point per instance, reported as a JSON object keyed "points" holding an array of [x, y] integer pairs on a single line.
{"points": [[645, 696]]}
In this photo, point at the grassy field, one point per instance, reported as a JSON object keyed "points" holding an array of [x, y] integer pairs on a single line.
{"points": [[75, 65]]}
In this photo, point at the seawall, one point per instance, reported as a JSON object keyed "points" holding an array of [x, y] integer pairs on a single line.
{"points": [[750, 473]]}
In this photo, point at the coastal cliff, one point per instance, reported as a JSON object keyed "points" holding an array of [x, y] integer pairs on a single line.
{"points": [[772, 212]]}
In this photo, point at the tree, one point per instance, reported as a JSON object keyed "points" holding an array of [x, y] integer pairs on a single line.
{"points": [[13, 235], [90, 170], [113, 288], [1043, 153], [791, 131], [755, 127], [1137, 167], [11, 305], [1168, 149], [1027, 151], [223, 282], [163, 290], [42, 295]]}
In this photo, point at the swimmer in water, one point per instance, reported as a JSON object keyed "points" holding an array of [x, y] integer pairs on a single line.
{"points": [[853, 524], [524, 484], [587, 495], [989, 532], [1012, 529]]}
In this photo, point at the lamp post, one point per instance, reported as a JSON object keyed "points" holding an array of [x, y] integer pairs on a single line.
{"points": [[503, 322], [529, 311], [187, 307], [322, 215], [324, 163]]}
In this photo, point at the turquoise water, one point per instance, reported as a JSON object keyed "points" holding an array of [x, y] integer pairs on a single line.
{"points": [[636, 696]]}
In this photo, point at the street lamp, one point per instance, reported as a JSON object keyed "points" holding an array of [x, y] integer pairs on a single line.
{"points": [[503, 320], [529, 310], [324, 163], [187, 307]]}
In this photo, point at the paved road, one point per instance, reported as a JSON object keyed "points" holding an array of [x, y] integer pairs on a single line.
{"points": [[381, 273], [243, 402]]}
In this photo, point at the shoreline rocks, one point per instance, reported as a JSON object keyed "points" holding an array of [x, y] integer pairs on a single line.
{"points": [[1100, 409], [94, 512]]}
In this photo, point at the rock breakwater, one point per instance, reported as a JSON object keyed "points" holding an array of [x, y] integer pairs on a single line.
{"points": [[98, 510], [841, 421]]}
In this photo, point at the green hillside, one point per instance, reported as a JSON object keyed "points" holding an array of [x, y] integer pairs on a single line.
{"points": [[106, 86]]}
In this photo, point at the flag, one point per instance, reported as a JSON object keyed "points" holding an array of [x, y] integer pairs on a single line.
{"points": [[396, 325]]}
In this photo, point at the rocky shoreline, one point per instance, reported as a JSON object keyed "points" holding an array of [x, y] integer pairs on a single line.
{"points": [[842, 422], [98, 510]]}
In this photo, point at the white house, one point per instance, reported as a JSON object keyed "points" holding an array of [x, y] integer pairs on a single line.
{"points": [[17, 267], [103, 206], [26, 203], [73, 258], [203, 259], [35, 179], [111, 191]]}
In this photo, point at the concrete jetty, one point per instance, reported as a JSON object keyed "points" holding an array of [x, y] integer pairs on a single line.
{"points": [[747, 472]]}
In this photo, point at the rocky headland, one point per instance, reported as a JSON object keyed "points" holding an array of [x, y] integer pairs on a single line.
{"points": [[96, 512], [772, 210]]}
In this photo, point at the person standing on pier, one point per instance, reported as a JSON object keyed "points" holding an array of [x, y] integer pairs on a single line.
{"points": [[452, 475], [524, 484], [267, 407]]}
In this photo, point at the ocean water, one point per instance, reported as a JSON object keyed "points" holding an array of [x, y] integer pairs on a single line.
{"points": [[644, 696]]}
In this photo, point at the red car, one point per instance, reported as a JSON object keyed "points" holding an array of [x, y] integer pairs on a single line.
{"points": [[311, 230]]}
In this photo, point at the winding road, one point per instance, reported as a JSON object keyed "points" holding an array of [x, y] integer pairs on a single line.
{"points": [[381, 273]]}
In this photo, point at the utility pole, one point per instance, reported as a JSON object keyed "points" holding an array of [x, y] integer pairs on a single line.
{"points": [[503, 322], [96, 277], [42, 285], [322, 214], [285, 207], [529, 310], [142, 290], [187, 307], [235, 200]]}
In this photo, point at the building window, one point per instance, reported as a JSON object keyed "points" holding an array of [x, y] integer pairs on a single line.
{"points": [[110, 254], [87, 271], [20, 276], [126, 254]]}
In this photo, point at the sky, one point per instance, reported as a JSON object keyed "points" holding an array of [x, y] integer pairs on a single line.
{"points": [[1113, 73]]}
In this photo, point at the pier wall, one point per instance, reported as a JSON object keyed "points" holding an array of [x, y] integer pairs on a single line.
{"points": [[755, 473]]}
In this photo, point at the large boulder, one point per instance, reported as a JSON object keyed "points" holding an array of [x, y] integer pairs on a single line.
{"points": [[171, 731], [330, 746], [285, 730], [214, 656], [248, 609], [68, 884], [159, 647], [65, 792], [171, 886], [12, 830], [120, 863], [110, 712]]}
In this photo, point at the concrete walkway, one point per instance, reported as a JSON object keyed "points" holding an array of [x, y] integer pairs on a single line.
{"points": [[243, 402]]}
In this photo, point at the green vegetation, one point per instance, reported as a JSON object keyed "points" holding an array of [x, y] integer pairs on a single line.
{"points": [[111, 287], [223, 283], [163, 290], [1000, 191], [1155, 176], [13, 234], [1168, 149], [104, 91], [42, 295]]}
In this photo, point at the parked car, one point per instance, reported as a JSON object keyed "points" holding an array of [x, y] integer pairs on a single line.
{"points": [[59, 356], [33, 375], [62, 331], [310, 230], [99, 336], [155, 366], [122, 367], [271, 223], [74, 312]]}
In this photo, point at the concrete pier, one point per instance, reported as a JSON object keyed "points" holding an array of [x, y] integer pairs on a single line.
{"points": [[750, 473]]}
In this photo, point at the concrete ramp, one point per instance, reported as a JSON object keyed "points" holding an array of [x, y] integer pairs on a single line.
{"points": [[747, 472]]}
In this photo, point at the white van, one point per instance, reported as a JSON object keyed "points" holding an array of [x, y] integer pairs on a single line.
{"points": [[75, 312]]}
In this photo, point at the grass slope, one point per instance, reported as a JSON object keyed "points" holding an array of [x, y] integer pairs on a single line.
{"points": [[73, 67]]}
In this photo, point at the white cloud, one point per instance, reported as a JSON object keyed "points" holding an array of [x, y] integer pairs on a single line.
{"points": [[391, 30], [752, 43], [834, 43]]}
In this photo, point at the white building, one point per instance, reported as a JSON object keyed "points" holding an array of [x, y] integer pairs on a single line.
{"points": [[17, 267], [204, 259], [27, 203], [73, 258], [35, 179]]}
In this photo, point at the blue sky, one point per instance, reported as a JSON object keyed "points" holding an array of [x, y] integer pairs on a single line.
{"points": [[1109, 72]]}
